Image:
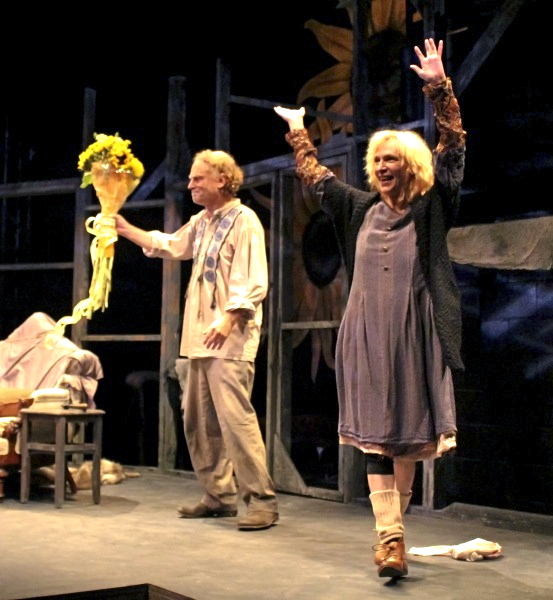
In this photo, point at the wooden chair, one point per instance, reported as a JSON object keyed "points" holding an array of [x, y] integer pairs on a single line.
{"points": [[30, 359], [11, 403]]}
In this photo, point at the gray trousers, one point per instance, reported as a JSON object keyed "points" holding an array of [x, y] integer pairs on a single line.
{"points": [[223, 434]]}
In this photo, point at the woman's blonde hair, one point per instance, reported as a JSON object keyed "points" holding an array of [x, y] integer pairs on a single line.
{"points": [[224, 164], [414, 153]]}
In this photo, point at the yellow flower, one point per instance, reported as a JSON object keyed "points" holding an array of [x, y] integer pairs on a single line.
{"points": [[112, 150]]}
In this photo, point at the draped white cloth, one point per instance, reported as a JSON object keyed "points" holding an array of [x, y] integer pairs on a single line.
{"points": [[27, 361]]}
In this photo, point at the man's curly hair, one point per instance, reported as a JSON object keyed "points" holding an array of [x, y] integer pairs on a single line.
{"points": [[224, 164]]}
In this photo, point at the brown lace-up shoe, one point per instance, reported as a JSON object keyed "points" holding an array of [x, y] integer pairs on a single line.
{"points": [[390, 559], [381, 553], [201, 511], [258, 519]]}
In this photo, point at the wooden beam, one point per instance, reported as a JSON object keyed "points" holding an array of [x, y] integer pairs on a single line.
{"points": [[81, 237], [177, 164], [40, 188], [270, 104], [487, 42], [36, 266], [222, 107], [136, 337]]}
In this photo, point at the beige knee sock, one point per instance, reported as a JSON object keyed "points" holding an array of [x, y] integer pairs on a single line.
{"points": [[387, 512]]}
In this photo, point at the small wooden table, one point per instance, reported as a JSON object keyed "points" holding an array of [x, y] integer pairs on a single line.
{"points": [[62, 417]]}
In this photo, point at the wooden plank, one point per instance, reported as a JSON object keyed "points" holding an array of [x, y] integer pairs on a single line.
{"points": [[286, 477], [351, 473], [263, 171], [134, 337], [270, 104], [81, 238], [273, 333], [147, 186], [40, 188], [311, 325], [177, 166], [37, 266], [362, 90], [140, 204], [286, 311], [486, 43], [222, 107]]}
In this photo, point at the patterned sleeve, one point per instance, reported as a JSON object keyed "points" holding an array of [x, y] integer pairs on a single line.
{"points": [[447, 115], [307, 166], [449, 154]]}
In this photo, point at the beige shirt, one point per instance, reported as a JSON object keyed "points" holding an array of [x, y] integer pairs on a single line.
{"points": [[241, 280]]}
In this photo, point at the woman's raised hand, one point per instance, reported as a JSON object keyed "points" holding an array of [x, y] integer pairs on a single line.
{"points": [[293, 116], [431, 68]]}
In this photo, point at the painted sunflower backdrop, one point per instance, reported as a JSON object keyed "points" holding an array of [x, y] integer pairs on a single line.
{"points": [[318, 277]]}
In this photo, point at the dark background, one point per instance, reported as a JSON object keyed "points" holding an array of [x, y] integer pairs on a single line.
{"points": [[128, 60], [504, 398]]}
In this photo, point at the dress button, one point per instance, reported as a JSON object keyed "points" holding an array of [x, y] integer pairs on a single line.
{"points": [[386, 268], [385, 248]]}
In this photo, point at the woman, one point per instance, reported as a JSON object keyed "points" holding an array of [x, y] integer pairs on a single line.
{"points": [[400, 335]]}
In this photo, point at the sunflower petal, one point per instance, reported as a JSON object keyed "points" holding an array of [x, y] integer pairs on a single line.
{"points": [[314, 131], [333, 81], [337, 41], [327, 346], [342, 106], [325, 127], [388, 15], [315, 352]]}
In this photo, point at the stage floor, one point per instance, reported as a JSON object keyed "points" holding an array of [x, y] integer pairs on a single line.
{"points": [[319, 550]]}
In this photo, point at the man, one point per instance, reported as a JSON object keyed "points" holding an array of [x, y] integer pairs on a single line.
{"points": [[220, 337]]}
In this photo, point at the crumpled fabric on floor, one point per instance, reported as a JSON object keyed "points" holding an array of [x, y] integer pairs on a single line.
{"points": [[471, 551]]}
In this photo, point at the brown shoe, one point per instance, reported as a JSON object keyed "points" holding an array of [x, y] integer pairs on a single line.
{"points": [[258, 519], [394, 564], [381, 553], [201, 511]]}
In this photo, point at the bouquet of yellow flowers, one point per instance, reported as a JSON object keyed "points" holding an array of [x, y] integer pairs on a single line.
{"points": [[111, 151], [111, 167]]}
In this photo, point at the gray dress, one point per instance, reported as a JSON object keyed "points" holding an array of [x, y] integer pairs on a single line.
{"points": [[400, 335], [394, 389]]}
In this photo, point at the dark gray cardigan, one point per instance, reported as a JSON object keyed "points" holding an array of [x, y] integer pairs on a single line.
{"points": [[433, 215]]}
